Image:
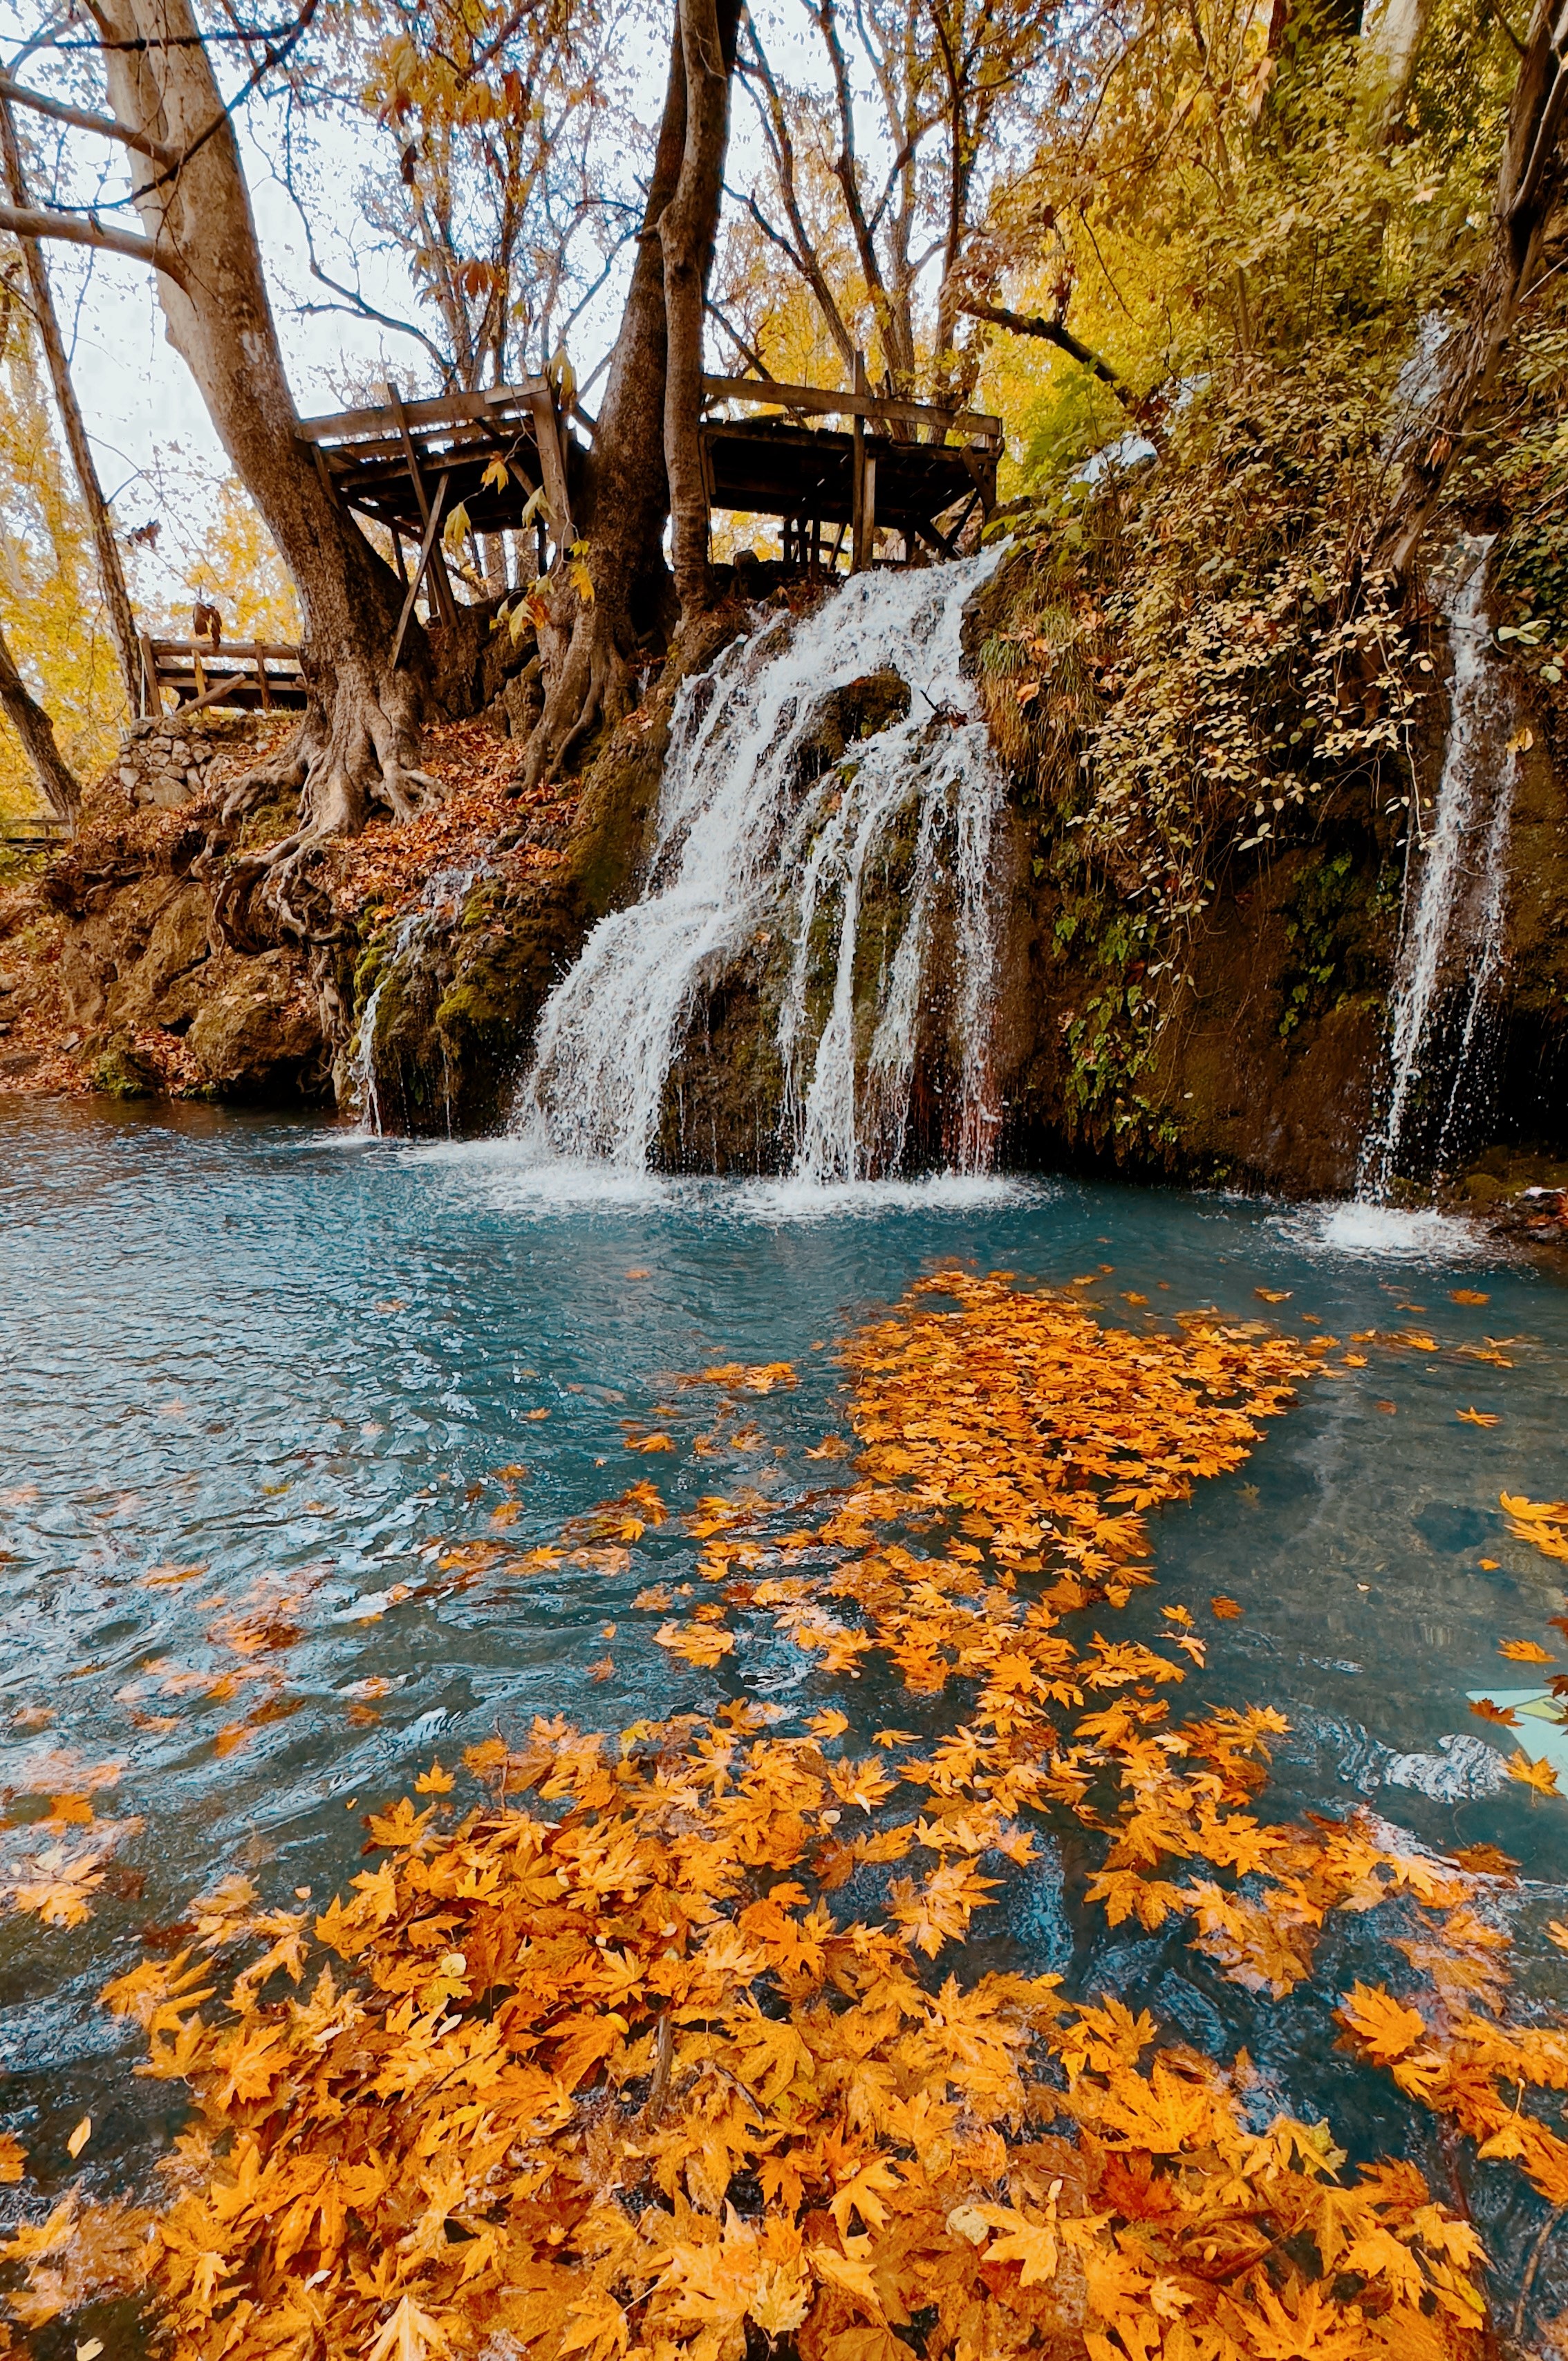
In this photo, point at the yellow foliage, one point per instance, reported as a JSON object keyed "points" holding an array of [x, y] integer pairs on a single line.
{"points": [[51, 608]]}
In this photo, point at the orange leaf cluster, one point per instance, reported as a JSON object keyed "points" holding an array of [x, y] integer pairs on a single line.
{"points": [[599, 2068]]}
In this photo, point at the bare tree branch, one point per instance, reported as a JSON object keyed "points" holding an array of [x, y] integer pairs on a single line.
{"points": [[34, 220], [781, 145], [747, 352], [80, 119]]}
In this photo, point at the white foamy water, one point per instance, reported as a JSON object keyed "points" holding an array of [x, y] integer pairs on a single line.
{"points": [[508, 1174], [1446, 895], [1359, 1231], [749, 844]]}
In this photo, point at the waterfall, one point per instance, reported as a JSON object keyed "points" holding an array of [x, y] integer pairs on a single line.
{"points": [[1454, 907], [758, 838], [439, 902]]}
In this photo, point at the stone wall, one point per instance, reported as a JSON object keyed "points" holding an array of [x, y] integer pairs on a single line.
{"points": [[167, 762]]}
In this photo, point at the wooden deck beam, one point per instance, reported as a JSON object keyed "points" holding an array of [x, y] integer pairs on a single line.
{"points": [[862, 403]]}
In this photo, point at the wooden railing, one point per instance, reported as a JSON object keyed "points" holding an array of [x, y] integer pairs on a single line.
{"points": [[814, 400], [253, 675]]}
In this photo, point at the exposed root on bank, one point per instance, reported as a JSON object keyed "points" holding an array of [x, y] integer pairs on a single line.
{"points": [[356, 749], [592, 686]]}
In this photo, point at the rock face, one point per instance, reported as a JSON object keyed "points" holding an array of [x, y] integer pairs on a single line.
{"points": [[447, 996], [1255, 1058], [145, 994]]}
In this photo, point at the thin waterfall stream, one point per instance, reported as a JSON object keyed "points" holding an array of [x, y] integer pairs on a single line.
{"points": [[759, 837], [438, 907], [1459, 920]]}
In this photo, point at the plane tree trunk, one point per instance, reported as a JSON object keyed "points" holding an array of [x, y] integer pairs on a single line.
{"points": [[57, 781], [358, 744], [705, 33], [647, 428]]}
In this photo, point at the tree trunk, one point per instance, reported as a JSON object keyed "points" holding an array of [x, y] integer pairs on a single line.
{"points": [[111, 572], [705, 31], [357, 742], [32, 725], [1531, 184], [590, 645]]}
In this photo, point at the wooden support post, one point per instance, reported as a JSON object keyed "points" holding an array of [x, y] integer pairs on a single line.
{"points": [[152, 695], [218, 696], [427, 549], [981, 467], [446, 605], [263, 687], [859, 546], [200, 671], [869, 503], [553, 466]]}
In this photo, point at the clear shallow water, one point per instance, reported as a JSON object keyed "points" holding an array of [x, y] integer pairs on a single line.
{"points": [[295, 1359]]}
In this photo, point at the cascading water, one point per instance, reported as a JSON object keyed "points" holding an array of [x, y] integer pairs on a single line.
{"points": [[751, 842], [1491, 944], [440, 904], [1460, 900]]}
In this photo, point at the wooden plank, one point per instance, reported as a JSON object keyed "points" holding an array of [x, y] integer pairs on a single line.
{"points": [[432, 558], [426, 546], [284, 650], [220, 693], [552, 463], [449, 410], [984, 480], [860, 404]]}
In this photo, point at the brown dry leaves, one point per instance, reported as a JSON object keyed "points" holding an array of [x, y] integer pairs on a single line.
{"points": [[597, 2069]]}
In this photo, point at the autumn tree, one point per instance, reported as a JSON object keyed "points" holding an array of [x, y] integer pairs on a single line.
{"points": [[60, 690], [646, 463], [41, 295], [863, 220], [358, 742], [497, 195]]}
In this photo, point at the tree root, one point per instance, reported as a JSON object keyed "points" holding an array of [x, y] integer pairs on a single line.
{"points": [[593, 685], [353, 749], [352, 753]]}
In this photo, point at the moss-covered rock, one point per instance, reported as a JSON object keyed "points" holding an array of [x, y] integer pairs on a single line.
{"points": [[125, 1074]]}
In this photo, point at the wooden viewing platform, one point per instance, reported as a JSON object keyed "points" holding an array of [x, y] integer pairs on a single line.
{"points": [[873, 474], [408, 465]]}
